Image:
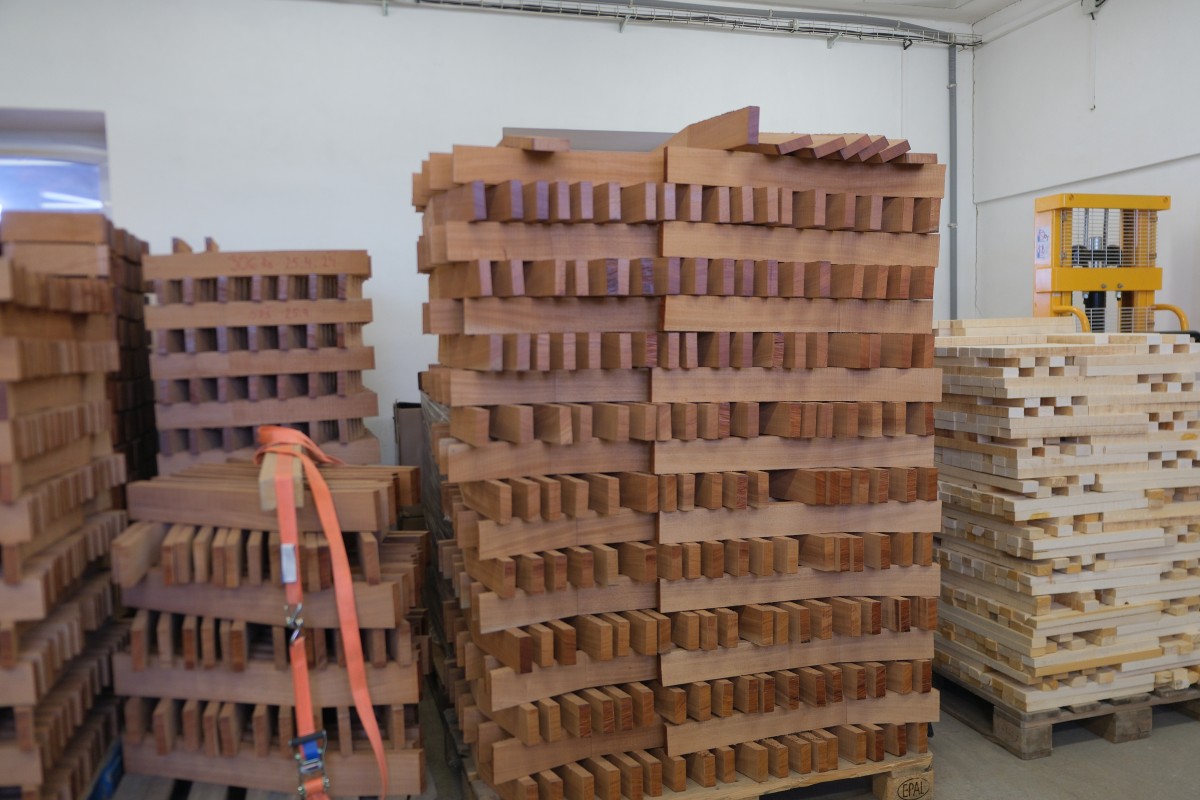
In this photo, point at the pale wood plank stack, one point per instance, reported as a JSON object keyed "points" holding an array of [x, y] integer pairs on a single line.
{"points": [[1070, 550], [87, 245], [688, 457], [256, 338], [207, 676], [57, 466]]}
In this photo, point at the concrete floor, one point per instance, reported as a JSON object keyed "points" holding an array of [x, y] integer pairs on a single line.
{"points": [[1165, 766], [1084, 766], [441, 776]]}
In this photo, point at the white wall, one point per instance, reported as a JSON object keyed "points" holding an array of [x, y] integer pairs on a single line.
{"points": [[284, 124], [1036, 134]]}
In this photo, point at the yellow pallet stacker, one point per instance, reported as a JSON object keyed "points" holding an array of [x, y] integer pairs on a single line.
{"points": [[1104, 248]]}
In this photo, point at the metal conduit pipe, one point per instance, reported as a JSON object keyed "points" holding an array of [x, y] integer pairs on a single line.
{"points": [[952, 158], [800, 23]]}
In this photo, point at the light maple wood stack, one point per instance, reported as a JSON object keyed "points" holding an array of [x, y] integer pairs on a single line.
{"points": [[259, 338], [1070, 550], [57, 466], [87, 245], [688, 457], [206, 676]]}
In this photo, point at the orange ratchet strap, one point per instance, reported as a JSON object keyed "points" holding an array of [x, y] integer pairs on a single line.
{"points": [[292, 452]]}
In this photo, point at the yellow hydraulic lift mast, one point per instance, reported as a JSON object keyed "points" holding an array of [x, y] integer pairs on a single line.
{"points": [[1104, 247]]}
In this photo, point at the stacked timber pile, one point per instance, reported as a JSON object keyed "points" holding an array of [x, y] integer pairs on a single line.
{"points": [[688, 457], [263, 338], [446, 622], [87, 245], [131, 391], [1070, 547], [208, 676], [57, 466]]}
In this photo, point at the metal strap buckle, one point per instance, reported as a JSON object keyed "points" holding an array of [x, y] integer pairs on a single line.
{"points": [[310, 759], [293, 621]]}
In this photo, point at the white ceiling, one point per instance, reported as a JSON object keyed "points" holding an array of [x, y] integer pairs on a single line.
{"points": [[963, 11]]}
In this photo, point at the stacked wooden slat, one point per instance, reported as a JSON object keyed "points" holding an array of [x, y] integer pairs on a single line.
{"points": [[1070, 549], [688, 457], [131, 390], [56, 469], [248, 339], [87, 245], [207, 675]]}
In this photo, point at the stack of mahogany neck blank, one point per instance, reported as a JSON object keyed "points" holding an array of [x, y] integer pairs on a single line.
{"points": [[131, 391], [87, 245], [689, 456], [1070, 550], [206, 678], [259, 338], [57, 466]]}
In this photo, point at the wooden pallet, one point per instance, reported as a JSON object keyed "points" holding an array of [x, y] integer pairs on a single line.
{"points": [[686, 439], [1069, 482], [356, 774], [247, 339], [82, 759], [149, 787], [57, 465], [905, 777], [104, 784], [131, 392], [203, 567], [1030, 736], [44, 731], [53, 244], [347, 440], [895, 778]]}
